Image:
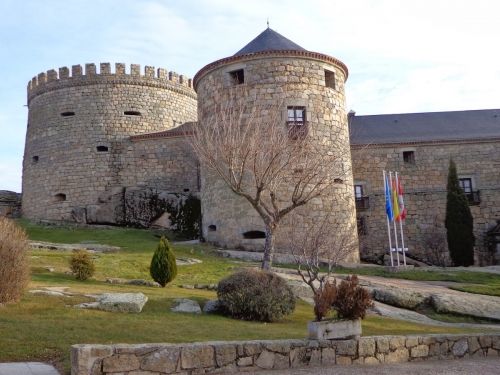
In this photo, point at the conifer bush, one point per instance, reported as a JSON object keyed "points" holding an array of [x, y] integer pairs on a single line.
{"points": [[163, 268], [458, 222], [14, 266], [82, 265], [352, 300], [255, 295]]}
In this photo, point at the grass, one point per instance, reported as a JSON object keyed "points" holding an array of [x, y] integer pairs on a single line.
{"points": [[43, 328]]}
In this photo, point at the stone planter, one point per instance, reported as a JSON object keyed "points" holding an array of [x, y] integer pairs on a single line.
{"points": [[334, 329]]}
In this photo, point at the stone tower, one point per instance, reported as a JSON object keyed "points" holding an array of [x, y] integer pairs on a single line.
{"points": [[310, 88], [78, 127]]}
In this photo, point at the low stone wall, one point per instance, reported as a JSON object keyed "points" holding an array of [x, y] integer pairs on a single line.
{"points": [[253, 356]]}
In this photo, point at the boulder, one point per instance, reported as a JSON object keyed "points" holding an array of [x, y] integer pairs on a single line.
{"points": [[186, 306], [211, 306], [487, 307], [139, 282], [405, 298], [117, 302]]}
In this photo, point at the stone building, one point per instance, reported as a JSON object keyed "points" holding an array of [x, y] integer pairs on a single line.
{"points": [[110, 147]]}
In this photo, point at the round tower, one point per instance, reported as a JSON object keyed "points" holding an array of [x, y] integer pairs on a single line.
{"points": [[77, 124], [308, 88]]}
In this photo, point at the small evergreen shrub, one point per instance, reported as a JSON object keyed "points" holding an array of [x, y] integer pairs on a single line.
{"points": [[14, 266], [352, 300], [82, 265], [163, 268], [255, 295]]}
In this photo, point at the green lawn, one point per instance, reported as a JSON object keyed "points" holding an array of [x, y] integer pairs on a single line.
{"points": [[43, 327]]}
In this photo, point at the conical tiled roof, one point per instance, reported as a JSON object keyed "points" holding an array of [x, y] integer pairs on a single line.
{"points": [[269, 40]]}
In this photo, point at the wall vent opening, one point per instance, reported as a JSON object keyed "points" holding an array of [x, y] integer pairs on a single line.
{"points": [[35, 159], [60, 197], [67, 114], [102, 148], [237, 77], [132, 113], [252, 234], [186, 190], [338, 181], [212, 228]]}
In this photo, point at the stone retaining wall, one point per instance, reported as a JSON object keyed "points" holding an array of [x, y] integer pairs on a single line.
{"points": [[253, 356]]}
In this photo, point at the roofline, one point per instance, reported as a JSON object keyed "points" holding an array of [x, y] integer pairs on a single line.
{"points": [[162, 134], [285, 53], [428, 142], [425, 113]]}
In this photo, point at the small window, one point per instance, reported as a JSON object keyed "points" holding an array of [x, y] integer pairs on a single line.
{"points": [[329, 79], [132, 113], [358, 192], [60, 197], [212, 228], [466, 184], [237, 77], [102, 148], [253, 234], [67, 114], [35, 159], [338, 181], [409, 157], [296, 115]]}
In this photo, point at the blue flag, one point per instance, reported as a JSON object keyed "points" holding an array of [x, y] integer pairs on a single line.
{"points": [[388, 197]]}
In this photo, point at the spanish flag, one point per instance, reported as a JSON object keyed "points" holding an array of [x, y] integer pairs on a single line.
{"points": [[395, 200]]}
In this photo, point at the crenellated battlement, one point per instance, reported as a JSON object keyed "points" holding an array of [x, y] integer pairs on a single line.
{"points": [[87, 75]]}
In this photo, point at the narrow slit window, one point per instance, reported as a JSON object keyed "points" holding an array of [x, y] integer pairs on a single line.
{"points": [[67, 114], [102, 148], [132, 113], [253, 234], [60, 197], [237, 77], [329, 79]]}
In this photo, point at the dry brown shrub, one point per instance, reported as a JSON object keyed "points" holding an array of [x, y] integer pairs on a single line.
{"points": [[352, 300], [324, 299], [14, 267]]}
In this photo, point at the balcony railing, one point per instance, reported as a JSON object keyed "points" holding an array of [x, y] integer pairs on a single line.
{"points": [[474, 198], [297, 129], [362, 203]]}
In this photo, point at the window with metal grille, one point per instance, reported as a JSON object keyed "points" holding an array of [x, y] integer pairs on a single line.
{"points": [[296, 115]]}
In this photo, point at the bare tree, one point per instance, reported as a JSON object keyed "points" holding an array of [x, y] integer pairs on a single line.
{"points": [[276, 166]]}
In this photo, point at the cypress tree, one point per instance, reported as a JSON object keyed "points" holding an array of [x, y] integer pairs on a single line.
{"points": [[458, 222], [163, 268]]}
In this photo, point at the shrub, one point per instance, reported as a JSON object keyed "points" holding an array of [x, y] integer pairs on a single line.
{"points": [[458, 222], [163, 268], [324, 298], [352, 300], [82, 265], [255, 295], [14, 267]]}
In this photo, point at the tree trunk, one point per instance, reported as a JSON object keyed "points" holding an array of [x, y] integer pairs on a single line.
{"points": [[267, 260]]}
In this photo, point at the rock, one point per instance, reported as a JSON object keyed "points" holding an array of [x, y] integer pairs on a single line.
{"points": [[139, 282], [98, 248], [79, 215], [49, 268], [347, 347], [419, 351], [460, 348], [211, 306], [265, 360], [343, 360], [186, 306], [120, 363], [366, 347], [399, 355], [164, 360], [225, 354], [476, 305], [40, 292], [197, 357], [400, 297], [117, 302], [187, 261], [300, 289], [245, 361]]}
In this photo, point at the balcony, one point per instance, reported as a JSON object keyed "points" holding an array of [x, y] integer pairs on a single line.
{"points": [[474, 198], [297, 129], [362, 203]]}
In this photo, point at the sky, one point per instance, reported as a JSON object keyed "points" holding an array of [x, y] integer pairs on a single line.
{"points": [[418, 56]]}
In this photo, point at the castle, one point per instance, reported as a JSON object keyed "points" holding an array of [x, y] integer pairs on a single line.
{"points": [[110, 148]]}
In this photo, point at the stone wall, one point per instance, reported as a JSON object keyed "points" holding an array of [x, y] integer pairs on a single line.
{"points": [[424, 183], [255, 356], [78, 130], [10, 204], [273, 82]]}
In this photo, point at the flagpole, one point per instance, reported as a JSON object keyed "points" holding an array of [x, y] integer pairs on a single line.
{"points": [[394, 224], [387, 217], [401, 226]]}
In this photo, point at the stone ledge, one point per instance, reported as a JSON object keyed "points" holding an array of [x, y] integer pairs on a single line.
{"points": [[254, 356]]}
